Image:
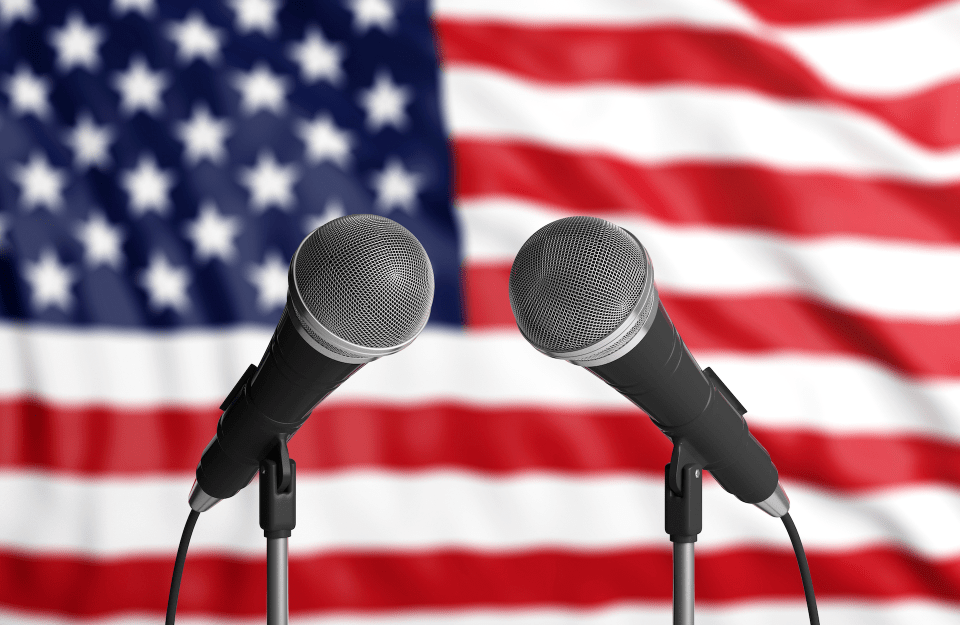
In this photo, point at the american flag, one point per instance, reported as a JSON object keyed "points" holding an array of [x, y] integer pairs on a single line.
{"points": [[792, 167]]}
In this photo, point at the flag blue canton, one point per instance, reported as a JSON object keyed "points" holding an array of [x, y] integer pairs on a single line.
{"points": [[161, 161]]}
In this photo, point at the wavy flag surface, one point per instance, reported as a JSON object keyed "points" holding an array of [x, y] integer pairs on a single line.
{"points": [[792, 167]]}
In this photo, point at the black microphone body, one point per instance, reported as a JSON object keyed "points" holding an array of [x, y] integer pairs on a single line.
{"points": [[582, 290], [661, 376], [272, 402]]}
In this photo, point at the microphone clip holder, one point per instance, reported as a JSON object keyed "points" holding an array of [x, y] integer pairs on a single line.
{"points": [[683, 493], [278, 492], [278, 516], [683, 520]]}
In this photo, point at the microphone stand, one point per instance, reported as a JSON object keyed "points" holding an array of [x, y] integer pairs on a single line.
{"points": [[683, 507], [278, 515]]}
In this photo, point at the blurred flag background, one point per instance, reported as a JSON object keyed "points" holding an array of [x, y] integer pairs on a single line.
{"points": [[793, 168]]}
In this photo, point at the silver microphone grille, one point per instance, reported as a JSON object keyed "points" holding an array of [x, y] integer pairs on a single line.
{"points": [[581, 288], [362, 286]]}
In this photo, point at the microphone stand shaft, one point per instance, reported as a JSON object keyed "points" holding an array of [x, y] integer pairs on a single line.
{"points": [[683, 508], [683, 583], [278, 517], [278, 612]]}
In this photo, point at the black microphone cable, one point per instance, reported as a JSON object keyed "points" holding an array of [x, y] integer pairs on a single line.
{"points": [[804, 568], [178, 566]]}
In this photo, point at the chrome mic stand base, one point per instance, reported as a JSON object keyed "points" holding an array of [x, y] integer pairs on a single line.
{"points": [[278, 516], [683, 493]]}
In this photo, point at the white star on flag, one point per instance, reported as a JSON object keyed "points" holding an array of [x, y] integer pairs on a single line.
{"points": [[90, 143], [261, 89], [140, 87], [325, 141], [148, 187], [165, 284], [385, 103], [101, 241], [270, 281], [28, 92], [50, 282], [196, 39], [332, 210], [369, 14], [396, 187], [76, 43], [213, 233], [12, 10], [318, 58], [255, 15], [145, 8], [270, 183], [203, 136], [40, 183]]}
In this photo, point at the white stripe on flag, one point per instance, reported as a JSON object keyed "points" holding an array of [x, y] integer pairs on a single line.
{"points": [[721, 14], [883, 57], [492, 369], [669, 124], [899, 280], [781, 612], [379, 510]]}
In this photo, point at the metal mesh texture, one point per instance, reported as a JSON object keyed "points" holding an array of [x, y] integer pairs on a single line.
{"points": [[366, 279], [574, 282]]}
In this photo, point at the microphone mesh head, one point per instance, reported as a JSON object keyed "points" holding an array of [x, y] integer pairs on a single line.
{"points": [[574, 282], [366, 279]]}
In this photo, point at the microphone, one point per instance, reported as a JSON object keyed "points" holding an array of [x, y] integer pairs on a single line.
{"points": [[360, 287], [582, 290]]}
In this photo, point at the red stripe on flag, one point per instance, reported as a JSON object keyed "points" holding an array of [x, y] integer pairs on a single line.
{"points": [[760, 324], [101, 442], [457, 579], [670, 56], [703, 194]]}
